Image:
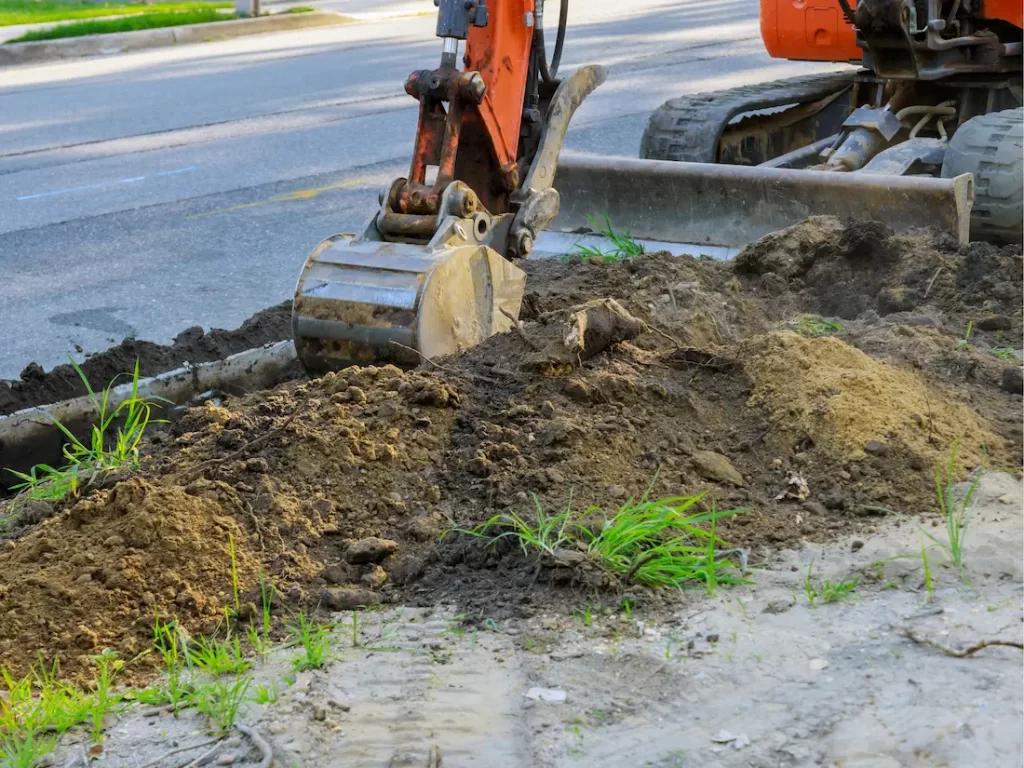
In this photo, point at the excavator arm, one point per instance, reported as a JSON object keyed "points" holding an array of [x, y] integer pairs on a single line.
{"points": [[432, 271]]}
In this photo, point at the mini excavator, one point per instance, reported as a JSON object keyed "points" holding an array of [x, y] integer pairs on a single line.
{"points": [[927, 129]]}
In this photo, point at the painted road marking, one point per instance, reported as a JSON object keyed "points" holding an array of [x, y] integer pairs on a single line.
{"points": [[295, 194], [103, 185], [177, 170]]}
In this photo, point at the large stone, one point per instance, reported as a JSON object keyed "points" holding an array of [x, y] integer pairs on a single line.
{"points": [[1013, 381], [716, 467], [348, 599], [370, 550]]}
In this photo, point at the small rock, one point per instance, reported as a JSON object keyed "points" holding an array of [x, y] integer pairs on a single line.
{"points": [[716, 467], [388, 411], [834, 501], [320, 714], [818, 664], [713, 637], [370, 550], [521, 411], [84, 578], [546, 694], [555, 476], [356, 395], [257, 465], [856, 545], [617, 492], [723, 737], [815, 507], [876, 448], [376, 578], [801, 459], [113, 541], [338, 573], [564, 654], [228, 758], [1012, 381], [995, 323], [547, 409], [247, 611], [345, 599], [423, 528], [9, 545], [778, 606]]}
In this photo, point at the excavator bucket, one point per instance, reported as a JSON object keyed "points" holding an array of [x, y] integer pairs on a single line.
{"points": [[725, 207], [362, 300]]}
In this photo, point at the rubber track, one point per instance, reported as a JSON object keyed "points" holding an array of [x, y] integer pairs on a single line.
{"points": [[990, 147], [688, 129]]}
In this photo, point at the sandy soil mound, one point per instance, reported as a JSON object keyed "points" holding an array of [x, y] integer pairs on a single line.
{"points": [[339, 488], [825, 391]]}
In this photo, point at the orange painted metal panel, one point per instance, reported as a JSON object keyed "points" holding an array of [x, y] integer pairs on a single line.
{"points": [[808, 30]]}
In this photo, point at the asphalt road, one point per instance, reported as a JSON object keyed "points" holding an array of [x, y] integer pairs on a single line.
{"points": [[144, 193]]}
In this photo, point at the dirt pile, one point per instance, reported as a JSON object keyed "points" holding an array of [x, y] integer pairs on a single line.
{"points": [[826, 391], [193, 345], [98, 577], [339, 488]]}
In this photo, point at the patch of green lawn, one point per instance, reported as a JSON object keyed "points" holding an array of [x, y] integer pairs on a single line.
{"points": [[40, 11], [125, 24]]}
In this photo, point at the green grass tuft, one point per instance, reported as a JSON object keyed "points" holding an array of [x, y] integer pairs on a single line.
{"points": [[811, 326], [624, 247], [113, 443], [315, 641], [221, 700], [1006, 354], [43, 11], [218, 657], [965, 342], [131, 23], [657, 543], [826, 591], [956, 514]]}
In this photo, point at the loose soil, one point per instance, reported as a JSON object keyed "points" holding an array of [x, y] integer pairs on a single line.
{"points": [[339, 488], [193, 345]]}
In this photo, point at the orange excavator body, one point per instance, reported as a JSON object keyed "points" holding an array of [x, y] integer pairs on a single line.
{"points": [[807, 31], [815, 30]]}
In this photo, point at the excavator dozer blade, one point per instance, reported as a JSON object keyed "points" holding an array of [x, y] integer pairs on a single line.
{"points": [[362, 301], [729, 206]]}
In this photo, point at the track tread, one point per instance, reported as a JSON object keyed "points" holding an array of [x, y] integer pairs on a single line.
{"points": [[688, 128], [990, 146]]}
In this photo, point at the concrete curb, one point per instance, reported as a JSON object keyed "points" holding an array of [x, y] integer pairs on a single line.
{"points": [[13, 54]]}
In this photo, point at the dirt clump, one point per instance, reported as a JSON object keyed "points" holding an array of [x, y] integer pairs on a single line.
{"points": [[338, 489], [193, 345]]}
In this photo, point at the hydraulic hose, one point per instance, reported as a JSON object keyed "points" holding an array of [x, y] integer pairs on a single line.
{"points": [[549, 71]]}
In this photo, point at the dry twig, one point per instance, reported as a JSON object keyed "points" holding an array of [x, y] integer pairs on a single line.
{"points": [[438, 366], [165, 755], [961, 652], [932, 282], [204, 757], [216, 462], [518, 326], [261, 744]]}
